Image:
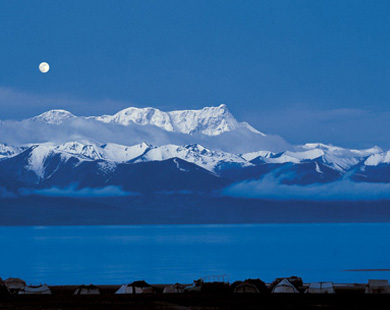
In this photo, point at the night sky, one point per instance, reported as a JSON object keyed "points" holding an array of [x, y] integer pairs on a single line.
{"points": [[310, 71]]}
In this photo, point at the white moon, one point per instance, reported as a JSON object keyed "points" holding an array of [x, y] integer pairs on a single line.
{"points": [[44, 67]]}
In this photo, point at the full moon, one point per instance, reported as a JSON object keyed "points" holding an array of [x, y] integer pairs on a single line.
{"points": [[44, 67]]}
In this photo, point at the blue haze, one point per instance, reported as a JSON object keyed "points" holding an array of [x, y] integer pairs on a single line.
{"points": [[182, 253]]}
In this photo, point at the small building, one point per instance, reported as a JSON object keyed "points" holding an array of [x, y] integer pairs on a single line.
{"points": [[36, 290], [87, 290], [321, 288], [378, 287], [284, 286]]}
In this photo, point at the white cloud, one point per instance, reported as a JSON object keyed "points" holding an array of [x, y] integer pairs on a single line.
{"points": [[269, 187]]}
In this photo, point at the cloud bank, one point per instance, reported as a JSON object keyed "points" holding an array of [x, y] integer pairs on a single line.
{"points": [[72, 191], [24, 132], [269, 187]]}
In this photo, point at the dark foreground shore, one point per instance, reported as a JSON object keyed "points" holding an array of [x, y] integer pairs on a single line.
{"points": [[62, 298]]}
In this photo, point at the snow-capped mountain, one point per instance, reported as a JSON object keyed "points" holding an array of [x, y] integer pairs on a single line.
{"points": [[90, 165], [115, 154], [210, 121], [215, 128], [207, 146], [54, 117]]}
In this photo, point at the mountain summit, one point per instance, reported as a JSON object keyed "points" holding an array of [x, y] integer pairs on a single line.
{"points": [[210, 121], [54, 117], [213, 127]]}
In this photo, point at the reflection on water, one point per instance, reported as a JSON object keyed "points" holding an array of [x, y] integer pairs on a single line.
{"points": [[182, 253]]}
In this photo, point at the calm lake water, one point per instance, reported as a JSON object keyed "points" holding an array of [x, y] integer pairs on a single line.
{"points": [[182, 253]]}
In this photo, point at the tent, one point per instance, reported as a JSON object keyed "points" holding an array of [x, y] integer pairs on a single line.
{"points": [[36, 290], [284, 286], [249, 286], [321, 288], [137, 287], [174, 289], [378, 287], [14, 285], [87, 290], [246, 288]]}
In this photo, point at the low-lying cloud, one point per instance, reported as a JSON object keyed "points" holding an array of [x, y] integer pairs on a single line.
{"points": [[72, 191], [270, 188]]}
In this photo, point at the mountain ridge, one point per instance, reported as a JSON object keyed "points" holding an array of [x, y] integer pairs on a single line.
{"points": [[210, 121], [205, 149]]}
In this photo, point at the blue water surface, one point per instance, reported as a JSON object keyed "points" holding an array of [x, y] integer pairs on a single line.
{"points": [[181, 253]]}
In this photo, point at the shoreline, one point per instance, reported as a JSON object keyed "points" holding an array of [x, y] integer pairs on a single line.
{"points": [[63, 299]]}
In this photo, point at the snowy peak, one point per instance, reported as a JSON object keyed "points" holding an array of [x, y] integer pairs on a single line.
{"points": [[146, 116], [89, 151], [54, 117], [210, 121], [336, 150]]}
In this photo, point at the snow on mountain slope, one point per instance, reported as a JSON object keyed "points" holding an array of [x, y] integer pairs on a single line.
{"points": [[108, 152], [146, 116], [94, 164], [295, 157], [36, 160], [210, 121], [9, 151], [54, 117], [122, 153], [252, 155], [334, 157], [113, 153], [342, 152], [340, 158], [377, 159], [89, 151], [195, 154]]}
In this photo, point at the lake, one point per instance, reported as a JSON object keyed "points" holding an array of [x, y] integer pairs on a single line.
{"points": [[181, 253]]}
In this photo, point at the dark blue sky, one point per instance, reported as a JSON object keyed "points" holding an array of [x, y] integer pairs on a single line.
{"points": [[307, 70]]}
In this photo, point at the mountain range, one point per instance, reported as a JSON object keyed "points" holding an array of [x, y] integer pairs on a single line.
{"points": [[152, 151]]}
